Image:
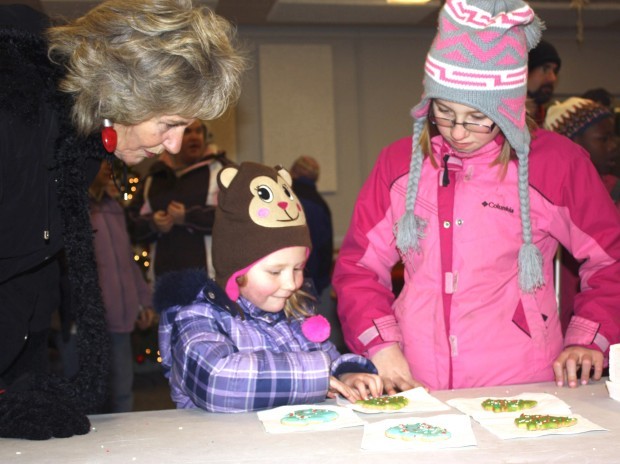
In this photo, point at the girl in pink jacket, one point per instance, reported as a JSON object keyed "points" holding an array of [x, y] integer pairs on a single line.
{"points": [[476, 214]]}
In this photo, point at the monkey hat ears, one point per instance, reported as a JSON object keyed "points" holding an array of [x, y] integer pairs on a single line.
{"points": [[257, 214]]}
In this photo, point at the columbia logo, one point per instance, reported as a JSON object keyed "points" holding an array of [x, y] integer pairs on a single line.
{"points": [[490, 204]]}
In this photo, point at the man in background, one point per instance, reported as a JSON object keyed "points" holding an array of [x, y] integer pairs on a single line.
{"points": [[174, 209], [543, 67]]}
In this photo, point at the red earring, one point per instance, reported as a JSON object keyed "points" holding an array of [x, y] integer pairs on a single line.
{"points": [[109, 136]]}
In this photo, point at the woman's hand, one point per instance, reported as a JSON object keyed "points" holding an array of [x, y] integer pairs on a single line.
{"points": [[394, 370], [569, 361]]}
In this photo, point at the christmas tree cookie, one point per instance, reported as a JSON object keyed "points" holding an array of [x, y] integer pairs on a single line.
{"points": [[384, 403], [538, 422], [503, 405]]}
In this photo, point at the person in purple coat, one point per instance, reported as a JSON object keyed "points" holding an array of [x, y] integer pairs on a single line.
{"points": [[127, 297], [250, 340]]}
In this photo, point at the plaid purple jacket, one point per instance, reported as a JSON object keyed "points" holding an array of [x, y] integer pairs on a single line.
{"points": [[219, 362]]}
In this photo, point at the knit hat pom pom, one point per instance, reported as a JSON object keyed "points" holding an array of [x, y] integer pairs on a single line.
{"points": [[316, 328], [533, 32], [530, 268]]}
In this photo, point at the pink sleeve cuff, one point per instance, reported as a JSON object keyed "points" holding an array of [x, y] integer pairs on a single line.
{"points": [[584, 332], [384, 332]]}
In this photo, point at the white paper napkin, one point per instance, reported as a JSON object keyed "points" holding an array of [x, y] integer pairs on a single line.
{"points": [[613, 384], [458, 425], [614, 390], [502, 424], [505, 428], [271, 419], [419, 401], [614, 363], [547, 404]]}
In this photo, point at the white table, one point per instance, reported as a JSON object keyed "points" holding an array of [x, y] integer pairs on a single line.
{"points": [[194, 436]]}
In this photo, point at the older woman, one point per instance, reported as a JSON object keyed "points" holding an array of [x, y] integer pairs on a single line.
{"points": [[135, 71], [146, 69]]}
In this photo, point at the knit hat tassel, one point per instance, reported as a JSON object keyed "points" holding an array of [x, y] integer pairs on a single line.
{"points": [[530, 258], [530, 268], [410, 229], [406, 231]]}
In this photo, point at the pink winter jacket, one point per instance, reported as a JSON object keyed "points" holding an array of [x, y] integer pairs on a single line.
{"points": [[461, 319]]}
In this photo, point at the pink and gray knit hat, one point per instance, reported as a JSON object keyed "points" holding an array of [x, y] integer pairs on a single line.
{"points": [[479, 59]]}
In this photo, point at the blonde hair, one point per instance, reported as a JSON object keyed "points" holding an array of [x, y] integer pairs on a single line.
{"points": [[305, 166], [299, 304], [132, 60], [505, 155]]}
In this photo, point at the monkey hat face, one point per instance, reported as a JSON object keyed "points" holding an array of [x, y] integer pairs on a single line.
{"points": [[257, 214]]}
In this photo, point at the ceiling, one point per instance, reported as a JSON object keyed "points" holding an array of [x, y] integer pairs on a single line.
{"points": [[557, 14]]}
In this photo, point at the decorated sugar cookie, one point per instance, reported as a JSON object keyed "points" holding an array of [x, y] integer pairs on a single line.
{"points": [[418, 431], [384, 403], [502, 405], [538, 422], [303, 417]]}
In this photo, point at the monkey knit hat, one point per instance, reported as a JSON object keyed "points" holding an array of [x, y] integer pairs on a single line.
{"points": [[257, 214], [479, 59], [574, 115]]}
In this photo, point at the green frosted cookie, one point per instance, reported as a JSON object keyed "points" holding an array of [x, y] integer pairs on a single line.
{"points": [[418, 431], [384, 403], [303, 417], [538, 422], [501, 405]]}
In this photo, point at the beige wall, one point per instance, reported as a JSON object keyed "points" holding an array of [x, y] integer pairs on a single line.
{"points": [[223, 133]]}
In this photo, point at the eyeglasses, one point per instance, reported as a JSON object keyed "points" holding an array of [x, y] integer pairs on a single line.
{"points": [[468, 126]]}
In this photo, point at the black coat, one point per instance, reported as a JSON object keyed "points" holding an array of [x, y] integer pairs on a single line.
{"points": [[45, 170]]}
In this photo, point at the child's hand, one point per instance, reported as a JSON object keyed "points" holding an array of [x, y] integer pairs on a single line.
{"points": [[394, 370], [574, 358], [366, 385], [338, 387], [355, 386]]}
